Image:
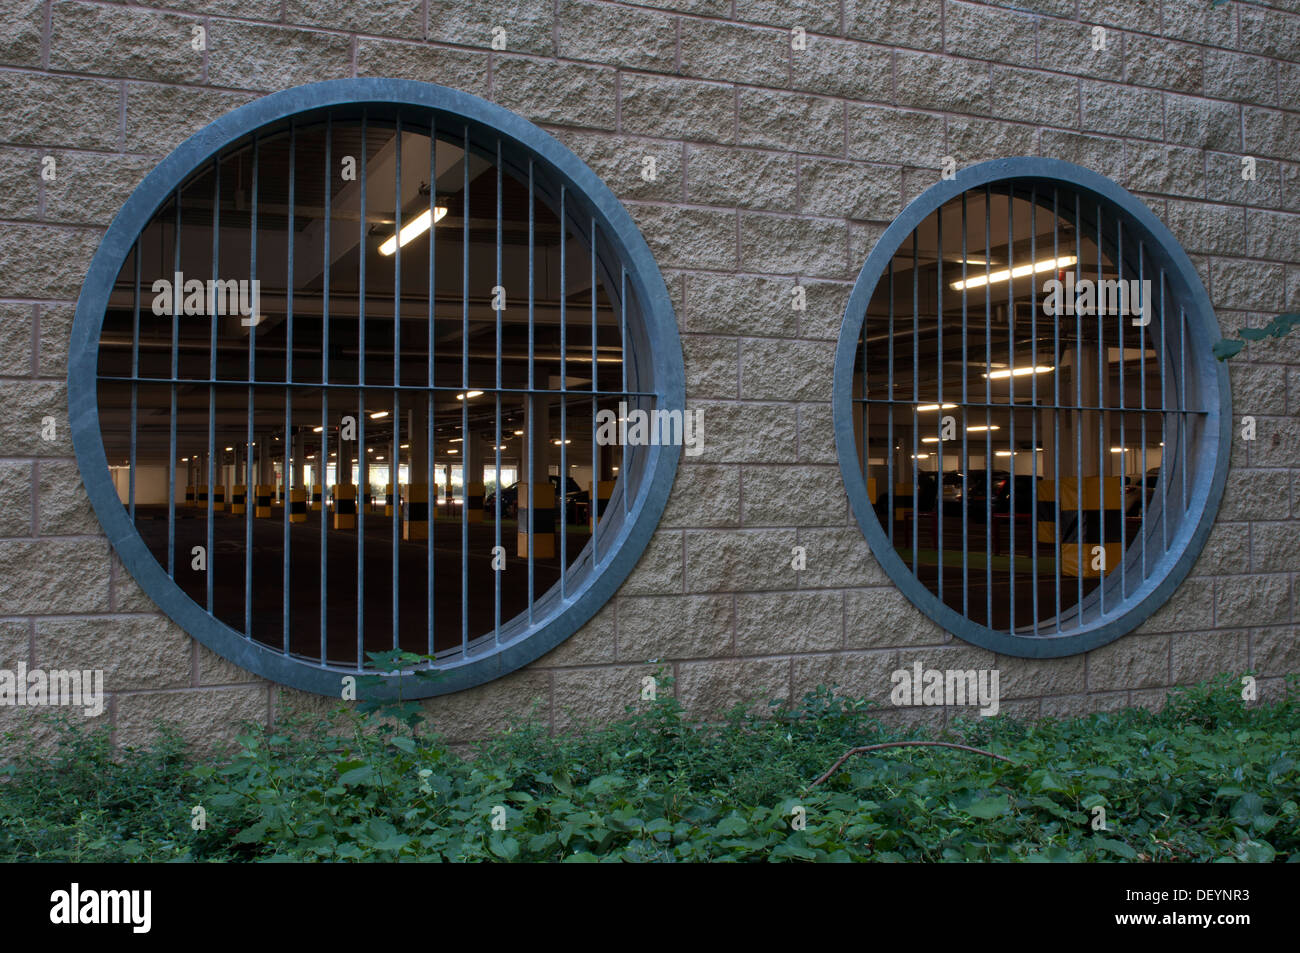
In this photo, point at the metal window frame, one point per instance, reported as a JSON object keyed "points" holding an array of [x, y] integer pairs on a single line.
{"points": [[556, 619], [1209, 466]]}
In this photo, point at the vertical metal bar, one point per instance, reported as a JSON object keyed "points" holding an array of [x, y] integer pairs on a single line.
{"points": [[988, 400], [1182, 399], [625, 350], [171, 456], [531, 417], [562, 502], [431, 493], [394, 463], [212, 371], [1164, 425], [1121, 296], [1056, 400], [324, 458], [592, 504], [1142, 385], [1078, 414], [362, 486], [496, 439], [1102, 375], [252, 375], [464, 408], [965, 443], [890, 496], [288, 376], [1011, 394], [916, 373], [938, 498], [1033, 399], [135, 373]]}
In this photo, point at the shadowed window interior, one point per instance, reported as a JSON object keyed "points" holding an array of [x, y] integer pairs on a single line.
{"points": [[367, 398], [1023, 415]]}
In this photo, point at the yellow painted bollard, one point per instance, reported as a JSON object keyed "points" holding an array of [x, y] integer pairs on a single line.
{"points": [[474, 496], [238, 499], [298, 505], [218, 498], [345, 506], [189, 495], [388, 499], [262, 500], [543, 521], [316, 497], [201, 496], [415, 525]]}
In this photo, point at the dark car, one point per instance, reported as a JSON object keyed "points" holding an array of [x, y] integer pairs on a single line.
{"points": [[577, 501], [973, 500], [1026, 493]]}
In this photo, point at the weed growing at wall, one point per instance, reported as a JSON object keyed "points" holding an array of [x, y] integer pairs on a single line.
{"points": [[1206, 779]]}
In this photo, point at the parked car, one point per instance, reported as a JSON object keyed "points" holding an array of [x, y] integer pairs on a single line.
{"points": [[1026, 493], [973, 502], [577, 501]]}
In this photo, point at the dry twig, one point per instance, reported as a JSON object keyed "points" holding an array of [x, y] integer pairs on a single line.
{"points": [[904, 744]]}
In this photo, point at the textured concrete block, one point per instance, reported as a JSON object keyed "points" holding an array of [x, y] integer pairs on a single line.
{"points": [[738, 561], [741, 305], [1173, 170], [857, 675], [741, 178], [1258, 389], [144, 44], [209, 719], [1275, 547], [1247, 285], [38, 261], [712, 366], [404, 18], [749, 432], [703, 495], [1268, 132], [1226, 551], [1155, 61], [595, 696], [133, 651], [1196, 656], [925, 81], [1198, 22], [458, 69], [1249, 601], [563, 93], [247, 56], [75, 113], [775, 623], [158, 118], [1030, 96], [844, 68], [988, 33], [20, 33], [1135, 661], [618, 36], [21, 171], [786, 370], [816, 434], [675, 627], [1202, 123], [850, 189], [799, 495], [1240, 77], [740, 54], [24, 405], [1270, 32], [1024, 678], [1102, 155], [838, 557], [1122, 110], [1274, 651], [916, 24], [813, 15], [16, 326], [91, 189], [593, 644], [1067, 46], [54, 575], [772, 244], [660, 568], [1213, 229], [677, 108], [709, 690], [1274, 236], [528, 26], [619, 161], [686, 237], [977, 140], [790, 121], [488, 710], [16, 498], [880, 617], [879, 134], [63, 509]]}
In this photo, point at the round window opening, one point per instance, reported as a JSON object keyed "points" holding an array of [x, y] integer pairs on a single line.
{"points": [[346, 377], [1030, 421]]}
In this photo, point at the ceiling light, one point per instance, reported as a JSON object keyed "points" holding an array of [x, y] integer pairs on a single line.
{"points": [[929, 440], [229, 449], [453, 451], [519, 433], [379, 458], [557, 442], [980, 428], [456, 440], [413, 230], [471, 395], [1019, 372], [1047, 264], [403, 446], [317, 429], [922, 408], [920, 456], [378, 414]]}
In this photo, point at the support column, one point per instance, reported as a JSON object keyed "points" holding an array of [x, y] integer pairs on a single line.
{"points": [[472, 475], [535, 488], [415, 517]]}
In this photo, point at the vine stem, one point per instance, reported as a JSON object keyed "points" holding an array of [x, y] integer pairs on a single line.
{"points": [[904, 744]]}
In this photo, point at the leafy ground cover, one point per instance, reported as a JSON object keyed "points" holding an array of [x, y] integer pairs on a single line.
{"points": [[1206, 779]]}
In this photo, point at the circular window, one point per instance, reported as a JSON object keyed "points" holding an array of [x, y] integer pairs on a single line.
{"points": [[348, 373], [1031, 425]]}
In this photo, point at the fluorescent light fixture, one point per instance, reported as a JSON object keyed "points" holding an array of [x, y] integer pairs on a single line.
{"points": [[557, 442], [1047, 264], [403, 446], [471, 395], [370, 449], [317, 429], [1004, 453], [922, 408], [980, 428], [929, 440], [379, 458], [228, 449], [379, 414], [1019, 372], [1120, 449], [519, 433], [920, 456], [502, 447], [453, 450], [412, 230], [456, 440]]}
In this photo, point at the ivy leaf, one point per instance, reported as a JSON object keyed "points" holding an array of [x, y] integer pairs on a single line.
{"points": [[1226, 348], [989, 807]]}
